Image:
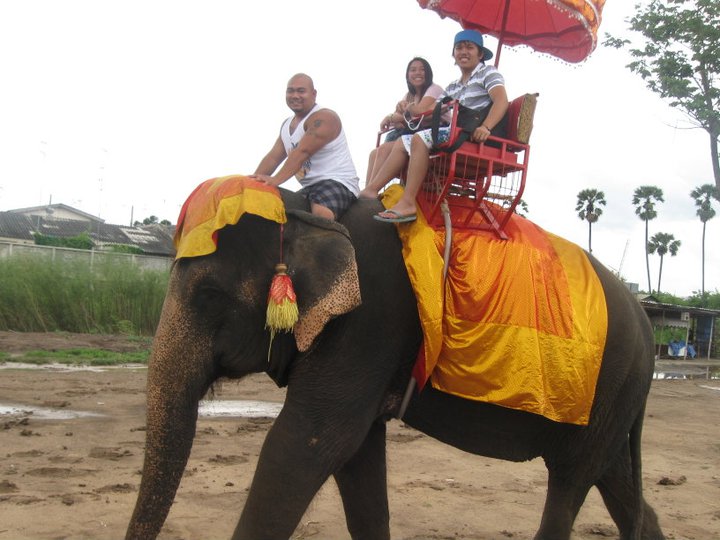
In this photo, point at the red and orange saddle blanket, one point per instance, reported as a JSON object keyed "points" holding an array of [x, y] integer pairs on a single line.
{"points": [[520, 323], [219, 202]]}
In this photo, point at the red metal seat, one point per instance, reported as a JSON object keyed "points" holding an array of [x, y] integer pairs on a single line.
{"points": [[482, 184]]}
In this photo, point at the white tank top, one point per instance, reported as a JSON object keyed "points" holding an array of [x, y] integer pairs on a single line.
{"points": [[331, 162]]}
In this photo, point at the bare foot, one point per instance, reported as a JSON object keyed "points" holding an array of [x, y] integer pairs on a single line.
{"points": [[403, 209], [397, 214]]}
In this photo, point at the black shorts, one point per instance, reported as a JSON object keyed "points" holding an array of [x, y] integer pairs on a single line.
{"points": [[330, 194]]}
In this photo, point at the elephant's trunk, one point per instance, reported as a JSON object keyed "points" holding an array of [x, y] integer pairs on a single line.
{"points": [[166, 454], [177, 379]]}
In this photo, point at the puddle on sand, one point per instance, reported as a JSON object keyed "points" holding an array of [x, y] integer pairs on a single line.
{"points": [[44, 413], [239, 408], [67, 367], [207, 409]]}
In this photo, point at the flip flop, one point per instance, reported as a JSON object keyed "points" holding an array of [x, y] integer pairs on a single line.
{"points": [[398, 219]]}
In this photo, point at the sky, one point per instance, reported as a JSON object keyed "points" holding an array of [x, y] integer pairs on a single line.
{"points": [[121, 108]]}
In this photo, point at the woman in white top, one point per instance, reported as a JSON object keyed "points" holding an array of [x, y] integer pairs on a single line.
{"points": [[421, 97]]}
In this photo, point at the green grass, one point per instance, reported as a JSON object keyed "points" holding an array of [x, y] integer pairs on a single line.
{"points": [[83, 357], [38, 294]]}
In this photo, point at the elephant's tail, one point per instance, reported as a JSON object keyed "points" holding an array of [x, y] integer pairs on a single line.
{"points": [[636, 466]]}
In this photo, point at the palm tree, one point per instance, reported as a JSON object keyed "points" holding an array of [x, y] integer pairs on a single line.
{"points": [[645, 198], [587, 207], [703, 196], [663, 243], [522, 208]]}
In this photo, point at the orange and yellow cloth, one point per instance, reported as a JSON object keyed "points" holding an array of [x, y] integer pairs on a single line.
{"points": [[219, 202], [520, 323]]}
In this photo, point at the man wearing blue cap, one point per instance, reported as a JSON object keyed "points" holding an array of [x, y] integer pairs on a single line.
{"points": [[480, 87]]}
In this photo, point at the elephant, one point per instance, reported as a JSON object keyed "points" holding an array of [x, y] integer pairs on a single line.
{"points": [[346, 368]]}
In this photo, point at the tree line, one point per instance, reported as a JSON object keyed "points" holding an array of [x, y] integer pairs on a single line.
{"points": [[646, 199], [676, 51]]}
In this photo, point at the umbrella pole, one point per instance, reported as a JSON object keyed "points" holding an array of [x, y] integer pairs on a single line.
{"points": [[501, 38]]}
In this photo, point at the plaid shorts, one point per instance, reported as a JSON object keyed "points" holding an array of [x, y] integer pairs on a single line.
{"points": [[330, 194]]}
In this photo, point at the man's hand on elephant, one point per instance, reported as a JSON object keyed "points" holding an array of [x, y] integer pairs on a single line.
{"points": [[265, 179]]}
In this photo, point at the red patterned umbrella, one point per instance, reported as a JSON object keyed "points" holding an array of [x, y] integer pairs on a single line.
{"points": [[566, 29]]}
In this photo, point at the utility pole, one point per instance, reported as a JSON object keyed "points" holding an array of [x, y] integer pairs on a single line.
{"points": [[622, 261]]}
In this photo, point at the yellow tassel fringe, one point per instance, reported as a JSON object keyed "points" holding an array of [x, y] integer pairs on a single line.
{"points": [[282, 316]]}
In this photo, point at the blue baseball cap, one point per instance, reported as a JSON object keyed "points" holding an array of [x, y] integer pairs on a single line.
{"points": [[473, 36]]}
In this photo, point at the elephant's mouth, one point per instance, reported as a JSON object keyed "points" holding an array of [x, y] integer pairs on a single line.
{"points": [[390, 407]]}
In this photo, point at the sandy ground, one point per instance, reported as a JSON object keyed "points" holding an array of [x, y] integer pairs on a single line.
{"points": [[78, 478]]}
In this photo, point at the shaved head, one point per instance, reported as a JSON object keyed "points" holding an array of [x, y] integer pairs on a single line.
{"points": [[300, 94], [302, 79]]}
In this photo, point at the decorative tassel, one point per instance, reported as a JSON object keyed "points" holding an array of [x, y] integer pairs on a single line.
{"points": [[282, 310]]}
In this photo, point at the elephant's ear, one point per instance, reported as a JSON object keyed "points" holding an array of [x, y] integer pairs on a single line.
{"points": [[321, 262]]}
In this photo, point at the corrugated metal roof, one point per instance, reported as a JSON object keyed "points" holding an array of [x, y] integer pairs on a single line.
{"points": [[16, 226], [651, 306], [62, 228]]}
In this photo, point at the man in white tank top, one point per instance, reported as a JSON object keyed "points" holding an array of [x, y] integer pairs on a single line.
{"points": [[314, 149]]}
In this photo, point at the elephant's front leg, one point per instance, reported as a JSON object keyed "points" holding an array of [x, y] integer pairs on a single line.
{"points": [[298, 456], [363, 488], [285, 482]]}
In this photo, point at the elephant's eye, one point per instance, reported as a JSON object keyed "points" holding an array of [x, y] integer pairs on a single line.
{"points": [[210, 299]]}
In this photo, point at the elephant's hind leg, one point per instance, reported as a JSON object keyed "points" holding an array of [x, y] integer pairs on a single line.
{"points": [[617, 489], [362, 482], [565, 496]]}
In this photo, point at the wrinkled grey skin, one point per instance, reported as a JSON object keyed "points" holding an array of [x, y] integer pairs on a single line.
{"points": [[342, 387]]}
